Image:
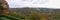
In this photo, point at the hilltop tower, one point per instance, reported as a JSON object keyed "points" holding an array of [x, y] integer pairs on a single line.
{"points": [[4, 7]]}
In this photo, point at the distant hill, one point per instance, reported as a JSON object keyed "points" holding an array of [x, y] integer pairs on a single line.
{"points": [[41, 10]]}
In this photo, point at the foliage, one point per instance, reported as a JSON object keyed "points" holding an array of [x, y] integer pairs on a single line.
{"points": [[56, 17], [1, 7], [38, 16], [32, 16], [6, 17]]}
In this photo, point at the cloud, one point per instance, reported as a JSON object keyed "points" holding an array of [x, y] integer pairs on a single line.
{"points": [[27, 3], [34, 3], [54, 4]]}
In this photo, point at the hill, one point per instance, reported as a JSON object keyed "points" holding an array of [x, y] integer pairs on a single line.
{"points": [[43, 10]]}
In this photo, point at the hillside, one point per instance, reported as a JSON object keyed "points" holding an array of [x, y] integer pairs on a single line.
{"points": [[49, 11], [42, 10]]}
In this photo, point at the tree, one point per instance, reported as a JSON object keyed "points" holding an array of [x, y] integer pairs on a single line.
{"points": [[1, 8], [4, 4], [34, 15]]}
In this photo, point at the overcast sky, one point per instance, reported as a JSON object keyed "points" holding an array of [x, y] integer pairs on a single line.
{"points": [[34, 3]]}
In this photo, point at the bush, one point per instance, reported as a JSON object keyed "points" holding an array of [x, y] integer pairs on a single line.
{"points": [[32, 16]]}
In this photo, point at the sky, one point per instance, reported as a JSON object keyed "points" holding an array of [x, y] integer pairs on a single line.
{"points": [[34, 3]]}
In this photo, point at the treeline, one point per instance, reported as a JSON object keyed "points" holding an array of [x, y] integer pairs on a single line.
{"points": [[33, 15]]}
